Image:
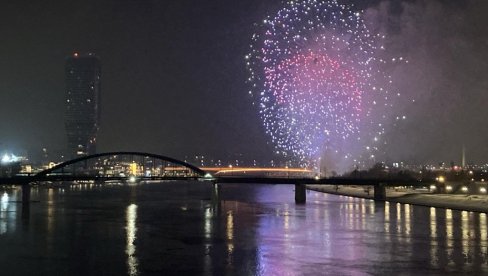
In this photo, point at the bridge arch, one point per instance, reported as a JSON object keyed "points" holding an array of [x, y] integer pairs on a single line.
{"points": [[197, 171]]}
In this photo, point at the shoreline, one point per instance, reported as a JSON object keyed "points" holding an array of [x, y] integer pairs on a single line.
{"points": [[471, 203]]}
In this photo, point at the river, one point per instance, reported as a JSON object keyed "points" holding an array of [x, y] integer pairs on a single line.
{"points": [[174, 228]]}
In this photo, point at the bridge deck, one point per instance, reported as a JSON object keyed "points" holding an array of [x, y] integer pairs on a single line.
{"points": [[321, 181], [19, 180]]}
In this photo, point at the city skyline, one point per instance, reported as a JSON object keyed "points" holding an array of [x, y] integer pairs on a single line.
{"points": [[251, 137], [166, 95]]}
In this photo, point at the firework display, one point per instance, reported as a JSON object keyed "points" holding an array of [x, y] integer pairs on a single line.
{"points": [[316, 78]]}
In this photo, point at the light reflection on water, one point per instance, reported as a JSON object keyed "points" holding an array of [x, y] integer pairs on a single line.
{"points": [[208, 225], [465, 234], [51, 207], [8, 210], [230, 237], [433, 237], [483, 234], [4, 201], [4, 213], [407, 221], [131, 229], [449, 236], [253, 230], [406, 235]]}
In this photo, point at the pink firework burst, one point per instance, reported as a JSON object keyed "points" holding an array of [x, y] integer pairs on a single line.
{"points": [[316, 80]]}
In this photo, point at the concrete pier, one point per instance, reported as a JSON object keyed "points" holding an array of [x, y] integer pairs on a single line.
{"points": [[380, 192], [26, 200], [26, 190], [300, 194]]}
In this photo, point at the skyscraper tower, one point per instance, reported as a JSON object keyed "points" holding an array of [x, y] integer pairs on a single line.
{"points": [[83, 73]]}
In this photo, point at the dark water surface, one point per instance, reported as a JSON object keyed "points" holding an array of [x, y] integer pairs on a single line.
{"points": [[175, 229]]}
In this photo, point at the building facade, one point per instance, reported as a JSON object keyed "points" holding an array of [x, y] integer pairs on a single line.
{"points": [[83, 91]]}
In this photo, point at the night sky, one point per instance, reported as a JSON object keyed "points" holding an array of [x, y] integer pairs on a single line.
{"points": [[174, 79]]}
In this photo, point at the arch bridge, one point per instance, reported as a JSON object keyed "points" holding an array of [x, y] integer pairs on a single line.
{"points": [[139, 166], [122, 165]]}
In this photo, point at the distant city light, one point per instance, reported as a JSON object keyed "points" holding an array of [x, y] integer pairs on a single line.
{"points": [[464, 189], [483, 190], [9, 158], [449, 188]]}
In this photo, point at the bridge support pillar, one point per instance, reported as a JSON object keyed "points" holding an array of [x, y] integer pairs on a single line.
{"points": [[26, 190], [300, 194], [380, 192]]}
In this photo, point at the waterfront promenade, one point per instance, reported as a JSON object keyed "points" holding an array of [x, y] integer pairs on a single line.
{"points": [[474, 203]]}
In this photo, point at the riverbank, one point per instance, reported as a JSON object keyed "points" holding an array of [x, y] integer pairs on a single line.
{"points": [[474, 203]]}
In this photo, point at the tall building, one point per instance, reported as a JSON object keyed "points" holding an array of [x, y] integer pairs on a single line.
{"points": [[83, 83]]}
